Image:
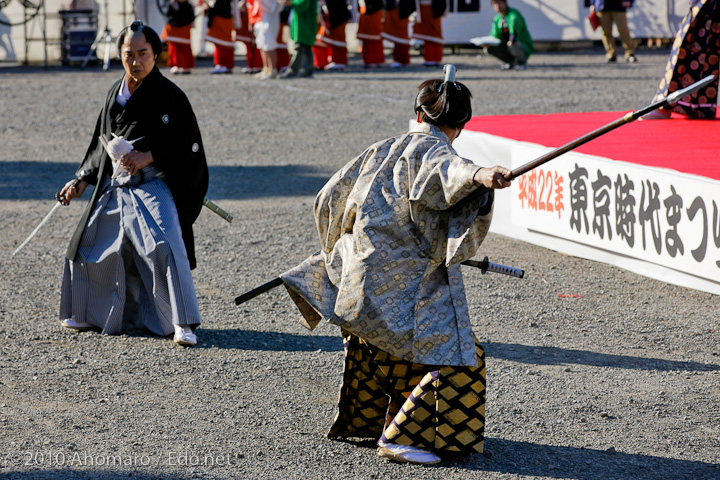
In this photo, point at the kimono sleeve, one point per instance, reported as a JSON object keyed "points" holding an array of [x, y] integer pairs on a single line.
{"points": [[331, 201], [444, 183], [178, 149], [468, 224], [89, 168], [443, 180]]}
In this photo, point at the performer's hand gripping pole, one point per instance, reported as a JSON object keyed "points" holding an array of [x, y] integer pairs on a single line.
{"points": [[630, 117], [485, 266]]}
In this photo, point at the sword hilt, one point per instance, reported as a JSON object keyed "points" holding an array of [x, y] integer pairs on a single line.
{"points": [[61, 198], [218, 210], [487, 266]]}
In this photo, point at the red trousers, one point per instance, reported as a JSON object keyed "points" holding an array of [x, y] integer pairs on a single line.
{"points": [[180, 55], [372, 52], [432, 52], [224, 56], [401, 53], [254, 60], [326, 54], [283, 58]]}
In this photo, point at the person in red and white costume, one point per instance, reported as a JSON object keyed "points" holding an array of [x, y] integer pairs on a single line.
{"points": [[330, 49], [428, 28], [370, 28], [395, 30], [221, 31], [265, 19], [176, 34], [243, 33]]}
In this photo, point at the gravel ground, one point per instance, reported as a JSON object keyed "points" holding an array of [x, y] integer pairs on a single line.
{"points": [[593, 372]]}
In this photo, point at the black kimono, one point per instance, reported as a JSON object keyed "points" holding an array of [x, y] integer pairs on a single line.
{"points": [[161, 113]]}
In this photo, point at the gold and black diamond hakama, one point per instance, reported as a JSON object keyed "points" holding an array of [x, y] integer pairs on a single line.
{"points": [[440, 408]]}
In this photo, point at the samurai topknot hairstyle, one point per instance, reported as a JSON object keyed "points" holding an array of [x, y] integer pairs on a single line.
{"points": [[444, 103], [138, 27]]}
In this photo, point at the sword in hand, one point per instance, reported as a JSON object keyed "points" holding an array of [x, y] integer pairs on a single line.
{"points": [[61, 200]]}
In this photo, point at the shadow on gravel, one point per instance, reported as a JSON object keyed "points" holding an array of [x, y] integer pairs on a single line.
{"points": [[32, 180], [245, 182], [560, 356], [549, 461], [268, 341]]}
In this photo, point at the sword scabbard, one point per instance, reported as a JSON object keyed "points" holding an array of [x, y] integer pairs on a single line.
{"points": [[219, 211]]}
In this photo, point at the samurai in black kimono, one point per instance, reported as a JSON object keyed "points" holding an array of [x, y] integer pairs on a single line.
{"points": [[128, 264]]}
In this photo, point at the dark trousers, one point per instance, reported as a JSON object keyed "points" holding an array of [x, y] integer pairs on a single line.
{"points": [[512, 55], [302, 60]]}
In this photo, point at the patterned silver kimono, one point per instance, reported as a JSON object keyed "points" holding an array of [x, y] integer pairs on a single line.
{"points": [[394, 225]]}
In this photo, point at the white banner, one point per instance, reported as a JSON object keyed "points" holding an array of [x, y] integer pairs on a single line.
{"points": [[655, 215], [652, 221]]}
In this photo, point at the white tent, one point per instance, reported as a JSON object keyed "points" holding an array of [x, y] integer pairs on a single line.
{"points": [[562, 20]]}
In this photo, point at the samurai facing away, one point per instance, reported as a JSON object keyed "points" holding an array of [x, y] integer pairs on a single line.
{"points": [[394, 224], [128, 264]]}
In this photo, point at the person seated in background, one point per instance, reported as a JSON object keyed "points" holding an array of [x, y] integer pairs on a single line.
{"points": [[516, 44]]}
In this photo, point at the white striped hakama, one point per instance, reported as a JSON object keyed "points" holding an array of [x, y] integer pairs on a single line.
{"points": [[132, 269]]}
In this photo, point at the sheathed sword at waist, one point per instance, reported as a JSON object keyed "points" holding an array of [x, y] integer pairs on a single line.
{"points": [[484, 265], [487, 266]]}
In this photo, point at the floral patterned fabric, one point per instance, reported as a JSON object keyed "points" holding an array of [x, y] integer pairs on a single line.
{"points": [[694, 56]]}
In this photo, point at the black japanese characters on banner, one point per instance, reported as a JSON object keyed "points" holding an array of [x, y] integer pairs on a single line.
{"points": [[642, 213]]}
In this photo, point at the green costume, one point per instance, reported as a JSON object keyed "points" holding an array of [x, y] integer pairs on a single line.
{"points": [[517, 29], [303, 28], [303, 22]]}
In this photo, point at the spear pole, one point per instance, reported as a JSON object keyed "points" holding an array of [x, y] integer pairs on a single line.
{"points": [[629, 117]]}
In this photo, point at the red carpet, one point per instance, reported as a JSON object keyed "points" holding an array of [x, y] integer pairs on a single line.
{"points": [[689, 146]]}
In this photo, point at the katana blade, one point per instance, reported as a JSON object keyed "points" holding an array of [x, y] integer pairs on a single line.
{"points": [[37, 229], [60, 199]]}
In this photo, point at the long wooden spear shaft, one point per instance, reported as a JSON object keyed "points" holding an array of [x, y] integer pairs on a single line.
{"points": [[630, 117]]}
